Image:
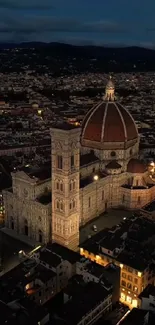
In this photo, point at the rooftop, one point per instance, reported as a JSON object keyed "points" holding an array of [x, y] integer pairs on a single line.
{"points": [[13, 282], [45, 198], [50, 258], [64, 253], [88, 158], [64, 126], [148, 291], [84, 295], [131, 243], [90, 179]]}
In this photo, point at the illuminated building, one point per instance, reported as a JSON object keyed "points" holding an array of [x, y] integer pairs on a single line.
{"points": [[130, 246], [94, 167]]}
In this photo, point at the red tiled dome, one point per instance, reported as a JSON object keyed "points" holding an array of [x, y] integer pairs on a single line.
{"points": [[136, 166], [109, 122]]}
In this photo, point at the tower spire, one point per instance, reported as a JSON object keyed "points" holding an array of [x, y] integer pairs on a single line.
{"points": [[109, 90]]}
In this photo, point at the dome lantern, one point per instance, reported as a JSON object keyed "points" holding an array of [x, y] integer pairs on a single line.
{"points": [[109, 91]]}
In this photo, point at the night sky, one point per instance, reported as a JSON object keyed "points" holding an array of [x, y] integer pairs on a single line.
{"points": [[101, 22]]}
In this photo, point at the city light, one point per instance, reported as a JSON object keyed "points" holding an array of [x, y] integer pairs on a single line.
{"points": [[96, 177]]}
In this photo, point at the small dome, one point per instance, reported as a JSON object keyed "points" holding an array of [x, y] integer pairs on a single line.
{"points": [[136, 166]]}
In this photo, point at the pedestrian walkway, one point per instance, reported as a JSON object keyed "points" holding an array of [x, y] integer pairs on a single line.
{"points": [[26, 240]]}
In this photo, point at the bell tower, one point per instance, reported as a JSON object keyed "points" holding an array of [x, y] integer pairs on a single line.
{"points": [[65, 140]]}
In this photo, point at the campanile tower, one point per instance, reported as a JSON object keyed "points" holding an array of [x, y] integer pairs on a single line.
{"points": [[65, 140]]}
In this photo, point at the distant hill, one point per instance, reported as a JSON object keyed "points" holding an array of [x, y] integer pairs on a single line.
{"points": [[91, 51], [65, 58]]}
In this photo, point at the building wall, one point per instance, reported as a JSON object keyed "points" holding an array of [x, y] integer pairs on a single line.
{"points": [[22, 212], [89, 169], [90, 201], [132, 281], [115, 151], [137, 198]]}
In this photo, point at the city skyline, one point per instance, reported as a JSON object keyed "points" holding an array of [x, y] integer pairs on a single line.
{"points": [[80, 22]]}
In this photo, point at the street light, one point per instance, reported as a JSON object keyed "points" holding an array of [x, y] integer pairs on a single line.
{"points": [[96, 177]]}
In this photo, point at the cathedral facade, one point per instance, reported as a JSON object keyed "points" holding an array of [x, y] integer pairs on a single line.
{"points": [[93, 168]]}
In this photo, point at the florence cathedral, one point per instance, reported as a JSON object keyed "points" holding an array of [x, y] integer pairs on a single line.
{"points": [[93, 168]]}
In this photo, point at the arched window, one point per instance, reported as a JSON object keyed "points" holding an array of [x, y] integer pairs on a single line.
{"points": [[61, 206], [74, 204], [26, 228], [59, 162], [40, 236], [61, 186], [12, 223], [57, 185], [71, 186], [74, 184], [113, 153], [57, 204]]}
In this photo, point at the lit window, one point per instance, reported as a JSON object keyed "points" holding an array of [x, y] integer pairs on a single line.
{"points": [[135, 289], [129, 286], [123, 283], [130, 278]]}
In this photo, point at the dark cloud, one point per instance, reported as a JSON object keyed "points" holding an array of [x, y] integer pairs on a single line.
{"points": [[26, 4], [32, 24]]}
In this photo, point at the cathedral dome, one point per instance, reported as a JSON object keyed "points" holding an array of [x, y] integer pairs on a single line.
{"points": [[108, 122], [136, 166]]}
